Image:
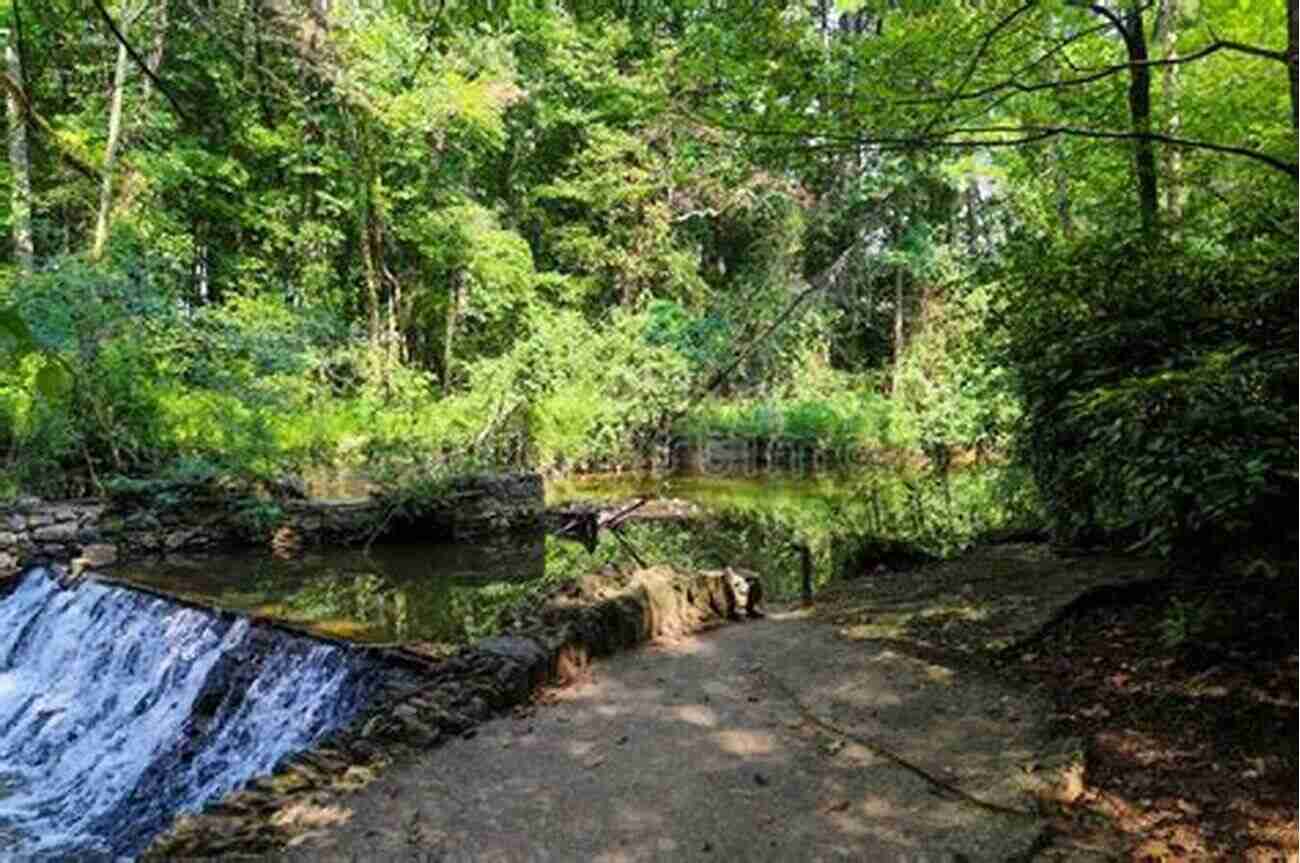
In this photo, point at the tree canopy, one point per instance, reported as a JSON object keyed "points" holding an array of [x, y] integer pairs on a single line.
{"points": [[254, 236]]}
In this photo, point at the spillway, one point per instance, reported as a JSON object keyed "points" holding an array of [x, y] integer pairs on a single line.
{"points": [[120, 709]]}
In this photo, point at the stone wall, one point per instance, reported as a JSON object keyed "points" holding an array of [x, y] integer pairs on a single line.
{"points": [[95, 533], [728, 455]]}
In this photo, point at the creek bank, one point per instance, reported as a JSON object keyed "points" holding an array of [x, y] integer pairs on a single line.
{"points": [[96, 533], [552, 641]]}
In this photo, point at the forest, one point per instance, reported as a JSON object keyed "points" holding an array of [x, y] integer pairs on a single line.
{"points": [[993, 303], [246, 239]]}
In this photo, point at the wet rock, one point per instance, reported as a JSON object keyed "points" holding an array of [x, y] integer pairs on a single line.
{"points": [[142, 520], [178, 539]]}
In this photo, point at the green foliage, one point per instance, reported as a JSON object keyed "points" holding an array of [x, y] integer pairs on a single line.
{"points": [[754, 523], [414, 243], [257, 519], [844, 425], [1185, 621], [588, 392], [951, 394], [1159, 385]]}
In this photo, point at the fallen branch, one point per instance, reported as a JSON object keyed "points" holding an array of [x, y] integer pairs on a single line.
{"points": [[623, 514], [627, 546]]}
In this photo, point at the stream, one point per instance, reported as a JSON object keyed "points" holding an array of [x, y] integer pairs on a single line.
{"points": [[120, 708]]}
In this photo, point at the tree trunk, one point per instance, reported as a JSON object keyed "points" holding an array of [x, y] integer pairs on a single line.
{"points": [[455, 303], [156, 53], [394, 346], [371, 271], [19, 164], [110, 152], [1063, 210], [1175, 193], [898, 330], [1139, 103]]}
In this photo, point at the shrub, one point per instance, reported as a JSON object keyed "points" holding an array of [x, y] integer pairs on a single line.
{"points": [[1159, 386]]}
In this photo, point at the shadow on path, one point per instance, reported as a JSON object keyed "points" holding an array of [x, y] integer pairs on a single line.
{"points": [[718, 747]]}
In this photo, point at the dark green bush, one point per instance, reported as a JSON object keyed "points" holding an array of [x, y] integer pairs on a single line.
{"points": [[1159, 388]]}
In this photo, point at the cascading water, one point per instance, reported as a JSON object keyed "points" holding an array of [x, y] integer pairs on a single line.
{"points": [[119, 709]]}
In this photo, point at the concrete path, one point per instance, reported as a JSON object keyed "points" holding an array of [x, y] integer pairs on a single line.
{"points": [[769, 740]]}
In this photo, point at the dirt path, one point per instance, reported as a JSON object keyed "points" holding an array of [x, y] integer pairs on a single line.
{"points": [[773, 740]]}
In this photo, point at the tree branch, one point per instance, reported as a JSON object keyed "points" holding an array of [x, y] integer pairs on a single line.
{"points": [[985, 41], [1027, 134], [139, 61], [1104, 72], [31, 113]]}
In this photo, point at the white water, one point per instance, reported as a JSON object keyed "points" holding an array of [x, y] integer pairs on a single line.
{"points": [[119, 710]]}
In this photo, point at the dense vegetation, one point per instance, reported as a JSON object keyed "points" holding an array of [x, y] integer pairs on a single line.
{"points": [[251, 238]]}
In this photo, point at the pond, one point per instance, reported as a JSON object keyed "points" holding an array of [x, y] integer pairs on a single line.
{"points": [[452, 593], [390, 593]]}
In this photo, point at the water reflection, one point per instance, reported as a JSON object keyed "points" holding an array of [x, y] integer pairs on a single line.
{"points": [[418, 592], [851, 523]]}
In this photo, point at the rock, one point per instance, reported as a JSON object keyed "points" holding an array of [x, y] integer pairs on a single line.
{"points": [[99, 554], [141, 521], [286, 542], [15, 522], [525, 666], [56, 533], [525, 651], [748, 590], [8, 539], [291, 487], [90, 514]]}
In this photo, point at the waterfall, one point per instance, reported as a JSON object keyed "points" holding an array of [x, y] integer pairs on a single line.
{"points": [[119, 710]]}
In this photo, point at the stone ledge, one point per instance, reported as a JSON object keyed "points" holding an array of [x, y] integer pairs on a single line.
{"points": [[132, 527], [550, 643]]}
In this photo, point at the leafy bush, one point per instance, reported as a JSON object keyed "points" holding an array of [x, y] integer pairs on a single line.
{"points": [[844, 424], [1159, 386], [949, 394]]}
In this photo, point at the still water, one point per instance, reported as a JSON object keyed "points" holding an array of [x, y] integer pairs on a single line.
{"points": [[392, 593], [451, 593]]}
